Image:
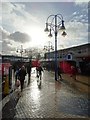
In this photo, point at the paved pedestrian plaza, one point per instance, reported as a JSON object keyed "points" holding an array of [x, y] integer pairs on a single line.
{"points": [[48, 99]]}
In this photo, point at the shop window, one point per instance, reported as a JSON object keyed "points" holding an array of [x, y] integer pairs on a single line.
{"points": [[79, 51], [69, 57]]}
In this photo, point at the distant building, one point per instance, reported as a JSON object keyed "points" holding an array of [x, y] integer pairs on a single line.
{"points": [[12, 58], [78, 52], [78, 55]]}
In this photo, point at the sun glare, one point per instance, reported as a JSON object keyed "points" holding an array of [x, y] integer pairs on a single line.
{"points": [[37, 36]]}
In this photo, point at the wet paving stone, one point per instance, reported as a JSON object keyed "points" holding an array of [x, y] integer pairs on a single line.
{"points": [[50, 100], [73, 105]]}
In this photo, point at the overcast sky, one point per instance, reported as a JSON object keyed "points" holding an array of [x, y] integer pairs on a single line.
{"points": [[23, 23]]}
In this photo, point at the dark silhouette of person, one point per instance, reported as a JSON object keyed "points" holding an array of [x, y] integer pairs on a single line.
{"points": [[73, 72], [40, 69], [59, 73], [29, 66], [22, 74]]}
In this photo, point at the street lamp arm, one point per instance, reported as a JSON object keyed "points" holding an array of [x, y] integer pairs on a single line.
{"points": [[50, 24], [49, 17], [53, 25], [58, 26], [58, 15]]}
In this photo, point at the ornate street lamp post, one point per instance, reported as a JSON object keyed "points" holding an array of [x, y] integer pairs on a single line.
{"points": [[21, 50], [48, 48], [56, 23]]}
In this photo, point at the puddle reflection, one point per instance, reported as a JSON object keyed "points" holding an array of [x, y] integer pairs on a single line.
{"points": [[35, 93]]}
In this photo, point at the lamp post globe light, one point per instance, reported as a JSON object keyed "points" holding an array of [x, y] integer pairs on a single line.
{"points": [[56, 23]]}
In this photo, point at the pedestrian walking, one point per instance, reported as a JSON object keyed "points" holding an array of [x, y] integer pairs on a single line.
{"points": [[59, 73], [29, 66], [78, 70], [39, 71], [73, 75], [73, 72], [22, 74]]}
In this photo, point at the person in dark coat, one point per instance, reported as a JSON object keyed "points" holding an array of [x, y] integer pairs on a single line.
{"points": [[22, 74], [40, 69], [59, 73], [29, 71], [73, 72]]}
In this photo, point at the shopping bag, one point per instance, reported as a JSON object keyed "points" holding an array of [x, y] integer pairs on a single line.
{"points": [[17, 83]]}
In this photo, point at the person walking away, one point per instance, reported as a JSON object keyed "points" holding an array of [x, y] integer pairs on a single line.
{"points": [[73, 72], [59, 74], [29, 71], [22, 74], [40, 69]]}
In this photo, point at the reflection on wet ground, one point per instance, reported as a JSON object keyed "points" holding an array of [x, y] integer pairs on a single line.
{"points": [[50, 99]]}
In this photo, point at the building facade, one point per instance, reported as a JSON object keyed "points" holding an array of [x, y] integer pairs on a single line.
{"points": [[78, 56]]}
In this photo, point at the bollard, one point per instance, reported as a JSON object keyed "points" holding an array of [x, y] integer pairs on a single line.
{"points": [[6, 86]]}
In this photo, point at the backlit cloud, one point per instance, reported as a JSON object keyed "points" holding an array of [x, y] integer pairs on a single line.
{"points": [[19, 37], [4, 33], [24, 23]]}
